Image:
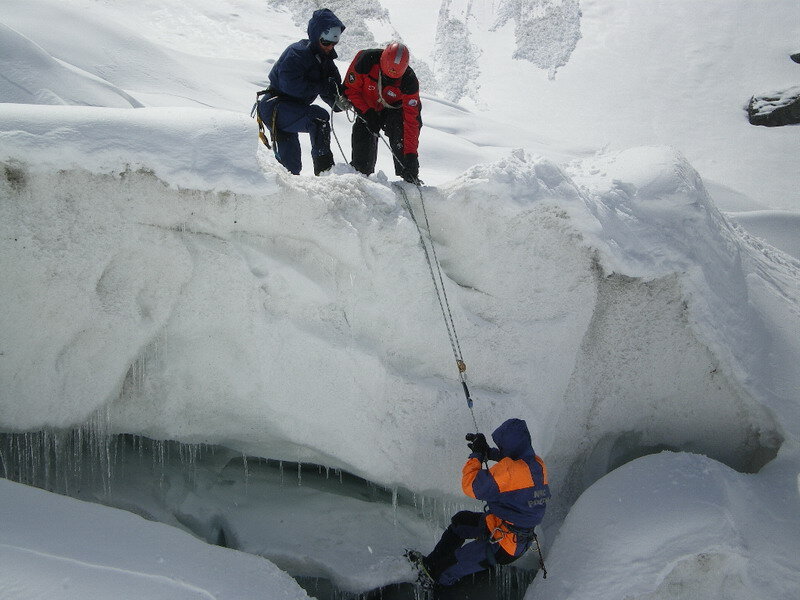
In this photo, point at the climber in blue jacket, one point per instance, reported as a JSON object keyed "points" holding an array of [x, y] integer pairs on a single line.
{"points": [[304, 71], [515, 491]]}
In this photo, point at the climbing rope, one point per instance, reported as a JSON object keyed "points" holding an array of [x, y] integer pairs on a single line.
{"points": [[431, 258], [435, 270], [441, 293], [336, 137]]}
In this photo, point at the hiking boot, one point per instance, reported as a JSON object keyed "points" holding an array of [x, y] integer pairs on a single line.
{"points": [[424, 577], [322, 163]]}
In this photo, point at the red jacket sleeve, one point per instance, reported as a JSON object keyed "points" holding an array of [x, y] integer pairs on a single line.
{"points": [[354, 85], [412, 122]]}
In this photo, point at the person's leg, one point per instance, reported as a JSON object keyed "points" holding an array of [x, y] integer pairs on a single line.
{"points": [[501, 557], [464, 525], [394, 129], [286, 144], [319, 128], [287, 151], [293, 118], [265, 106], [290, 118], [365, 148], [470, 558], [320, 132]]}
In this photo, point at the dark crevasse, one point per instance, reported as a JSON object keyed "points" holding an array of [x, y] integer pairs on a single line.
{"points": [[169, 482]]}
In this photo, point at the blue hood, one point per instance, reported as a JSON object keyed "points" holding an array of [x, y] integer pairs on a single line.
{"points": [[322, 20], [513, 439]]}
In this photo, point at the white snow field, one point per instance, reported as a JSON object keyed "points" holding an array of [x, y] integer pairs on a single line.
{"points": [[56, 547], [191, 334]]}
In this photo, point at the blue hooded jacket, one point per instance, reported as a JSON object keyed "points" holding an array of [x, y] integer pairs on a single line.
{"points": [[304, 71], [516, 488]]}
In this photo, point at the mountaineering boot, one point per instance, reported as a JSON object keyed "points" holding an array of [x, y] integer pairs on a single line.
{"points": [[322, 163], [424, 578]]}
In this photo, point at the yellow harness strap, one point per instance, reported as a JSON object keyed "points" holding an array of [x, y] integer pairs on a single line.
{"points": [[261, 134]]}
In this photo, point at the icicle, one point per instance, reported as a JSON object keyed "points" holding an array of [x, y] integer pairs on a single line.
{"points": [[4, 462], [108, 473], [159, 461]]}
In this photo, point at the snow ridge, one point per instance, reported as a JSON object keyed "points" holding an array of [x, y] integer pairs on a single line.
{"points": [[31, 76], [455, 57], [547, 31]]}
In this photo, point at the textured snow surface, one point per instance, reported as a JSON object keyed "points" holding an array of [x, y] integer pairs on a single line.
{"points": [[57, 547], [708, 532], [298, 323], [162, 276]]}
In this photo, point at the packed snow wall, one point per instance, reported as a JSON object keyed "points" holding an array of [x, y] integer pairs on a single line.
{"points": [[301, 324], [294, 319]]}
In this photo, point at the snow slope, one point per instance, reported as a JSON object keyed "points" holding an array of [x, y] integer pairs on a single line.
{"points": [[663, 72], [707, 532], [32, 76], [57, 547], [253, 335], [163, 276]]}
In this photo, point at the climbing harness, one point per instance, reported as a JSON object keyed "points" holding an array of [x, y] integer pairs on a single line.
{"points": [[523, 535], [254, 113], [261, 127]]}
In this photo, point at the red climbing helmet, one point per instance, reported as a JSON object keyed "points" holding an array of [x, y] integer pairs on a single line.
{"points": [[394, 60]]}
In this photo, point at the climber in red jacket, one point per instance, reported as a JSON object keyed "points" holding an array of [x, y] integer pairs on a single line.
{"points": [[385, 94]]}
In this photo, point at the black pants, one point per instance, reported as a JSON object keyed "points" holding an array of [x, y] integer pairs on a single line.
{"points": [[365, 143], [451, 560]]}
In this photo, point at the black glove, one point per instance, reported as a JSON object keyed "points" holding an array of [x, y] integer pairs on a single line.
{"points": [[478, 445], [372, 119], [411, 171]]}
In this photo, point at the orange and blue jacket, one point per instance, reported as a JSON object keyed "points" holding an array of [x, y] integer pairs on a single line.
{"points": [[515, 490]]}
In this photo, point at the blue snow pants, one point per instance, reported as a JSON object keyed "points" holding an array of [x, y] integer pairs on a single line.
{"points": [[451, 559], [293, 118]]}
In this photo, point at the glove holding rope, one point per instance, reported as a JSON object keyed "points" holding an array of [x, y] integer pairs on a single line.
{"points": [[411, 175], [478, 445]]}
